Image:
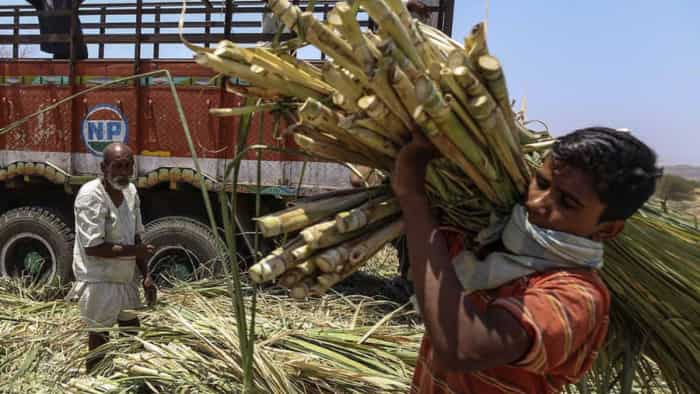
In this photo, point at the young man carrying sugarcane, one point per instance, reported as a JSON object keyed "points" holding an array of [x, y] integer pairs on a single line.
{"points": [[108, 249], [531, 316]]}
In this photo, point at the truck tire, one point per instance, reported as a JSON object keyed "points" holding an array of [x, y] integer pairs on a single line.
{"points": [[185, 249], [29, 238]]}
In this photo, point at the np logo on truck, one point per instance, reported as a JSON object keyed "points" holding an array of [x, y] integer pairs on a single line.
{"points": [[103, 125]]}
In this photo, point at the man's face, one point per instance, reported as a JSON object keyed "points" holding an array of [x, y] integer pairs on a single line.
{"points": [[118, 168], [563, 198]]}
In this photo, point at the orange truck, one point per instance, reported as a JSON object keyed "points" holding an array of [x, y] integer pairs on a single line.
{"points": [[44, 162]]}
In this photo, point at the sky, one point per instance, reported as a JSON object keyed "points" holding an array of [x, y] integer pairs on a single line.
{"points": [[624, 64]]}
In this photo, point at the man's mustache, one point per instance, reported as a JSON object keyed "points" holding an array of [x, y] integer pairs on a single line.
{"points": [[120, 179]]}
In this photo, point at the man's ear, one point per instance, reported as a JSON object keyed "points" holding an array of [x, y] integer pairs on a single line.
{"points": [[608, 230]]}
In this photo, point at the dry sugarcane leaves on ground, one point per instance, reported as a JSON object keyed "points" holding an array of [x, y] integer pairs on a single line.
{"points": [[189, 344]]}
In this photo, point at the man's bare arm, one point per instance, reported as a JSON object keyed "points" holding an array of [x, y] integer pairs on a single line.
{"points": [[464, 339], [142, 262], [112, 250]]}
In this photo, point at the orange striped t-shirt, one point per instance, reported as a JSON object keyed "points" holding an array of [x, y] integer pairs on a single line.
{"points": [[566, 315]]}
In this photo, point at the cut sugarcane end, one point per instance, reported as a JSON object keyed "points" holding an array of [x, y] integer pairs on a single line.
{"points": [[255, 273], [358, 254], [350, 221], [332, 259], [269, 226], [489, 63]]}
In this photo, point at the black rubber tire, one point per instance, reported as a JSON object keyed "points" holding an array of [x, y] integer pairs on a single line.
{"points": [[47, 225], [197, 238]]}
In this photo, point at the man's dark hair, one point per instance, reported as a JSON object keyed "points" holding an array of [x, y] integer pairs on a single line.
{"points": [[623, 168]]}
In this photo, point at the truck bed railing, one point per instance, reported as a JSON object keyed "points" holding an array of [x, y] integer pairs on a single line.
{"points": [[155, 23]]}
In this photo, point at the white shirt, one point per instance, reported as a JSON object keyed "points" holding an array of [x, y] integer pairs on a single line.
{"points": [[98, 220]]}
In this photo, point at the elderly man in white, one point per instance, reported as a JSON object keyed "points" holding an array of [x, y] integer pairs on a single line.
{"points": [[108, 249]]}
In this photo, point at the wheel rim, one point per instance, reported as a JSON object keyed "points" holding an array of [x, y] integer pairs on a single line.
{"points": [[173, 262], [28, 255]]}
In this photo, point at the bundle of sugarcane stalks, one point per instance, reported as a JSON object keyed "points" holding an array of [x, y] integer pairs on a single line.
{"points": [[361, 106]]}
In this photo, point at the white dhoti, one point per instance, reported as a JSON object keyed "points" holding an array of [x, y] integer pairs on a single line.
{"points": [[105, 288], [102, 304]]}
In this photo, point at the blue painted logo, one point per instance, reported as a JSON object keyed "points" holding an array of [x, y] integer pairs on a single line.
{"points": [[103, 125]]}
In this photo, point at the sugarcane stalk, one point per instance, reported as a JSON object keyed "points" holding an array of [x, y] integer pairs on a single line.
{"points": [[404, 88], [376, 110], [466, 120], [449, 83], [276, 263], [314, 235], [449, 150], [229, 50], [499, 134], [357, 120], [316, 134], [389, 48], [318, 34], [329, 194], [440, 112], [375, 241], [425, 50], [436, 182], [457, 58], [253, 91], [324, 237], [297, 274], [304, 23], [344, 19], [305, 66], [301, 253], [256, 271], [391, 26], [305, 214], [315, 113], [345, 149], [245, 110], [435, 71], [333, 259], [338, 153], [366, 214], [348, 90], [362, 251], [288, 71], [272, 63], [490, 68], [493, 123], [331, 44], [401, 11], [374, 141], [449, 80], [438, 38], [229, 67], [382, 89], [288, 13]]}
